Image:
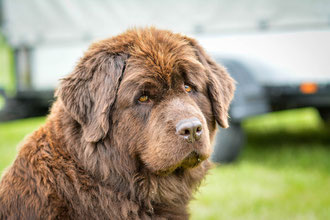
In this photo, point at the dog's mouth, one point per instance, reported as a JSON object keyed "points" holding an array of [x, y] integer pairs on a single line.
{"points": [[192, 160]]}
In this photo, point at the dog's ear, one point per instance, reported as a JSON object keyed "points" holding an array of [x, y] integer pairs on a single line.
{"points": [[89, 92], [221, 86]]}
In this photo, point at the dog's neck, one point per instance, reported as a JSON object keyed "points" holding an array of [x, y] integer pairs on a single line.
{"points": [[106, 164]]}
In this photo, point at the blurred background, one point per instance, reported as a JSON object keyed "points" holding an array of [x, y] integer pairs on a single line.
{"points": [[275, 157]]}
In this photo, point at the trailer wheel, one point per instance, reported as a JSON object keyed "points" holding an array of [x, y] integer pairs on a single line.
{"points": [[325, 115], [228, 143]]}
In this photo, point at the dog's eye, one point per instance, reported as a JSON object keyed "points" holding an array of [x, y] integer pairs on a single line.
{"points": [[187, 88], [144, 98]]}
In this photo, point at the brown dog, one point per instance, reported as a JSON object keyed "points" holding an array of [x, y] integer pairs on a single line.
{"points": [[128, 137]]}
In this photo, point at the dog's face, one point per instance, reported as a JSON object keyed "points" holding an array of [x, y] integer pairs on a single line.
{"points": [[155, 93], [165, 111]]}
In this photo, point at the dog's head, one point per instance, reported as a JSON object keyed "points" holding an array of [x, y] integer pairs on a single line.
{"points": [[156, 94]]}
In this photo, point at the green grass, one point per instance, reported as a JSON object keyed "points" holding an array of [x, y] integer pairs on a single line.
{"points": [[282, 173], [11, 134]]}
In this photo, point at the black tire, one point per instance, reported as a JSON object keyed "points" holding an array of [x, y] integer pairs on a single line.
{"points": [[325, 115], [228, 144]]}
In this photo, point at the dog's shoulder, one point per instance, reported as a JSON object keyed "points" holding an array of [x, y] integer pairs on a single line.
{"points": [[26, 186]]}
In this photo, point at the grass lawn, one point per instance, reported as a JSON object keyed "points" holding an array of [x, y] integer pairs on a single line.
{"points": [[11, 134], [282, 173]]}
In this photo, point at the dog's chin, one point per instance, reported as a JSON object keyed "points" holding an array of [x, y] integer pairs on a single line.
{"points": [[192, 160]]}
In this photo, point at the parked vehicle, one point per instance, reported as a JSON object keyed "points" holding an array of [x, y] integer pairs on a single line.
{"points": [[256, 95]]}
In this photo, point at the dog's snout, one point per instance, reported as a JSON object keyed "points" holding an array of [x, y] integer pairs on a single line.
{"points": [[190, 129]]}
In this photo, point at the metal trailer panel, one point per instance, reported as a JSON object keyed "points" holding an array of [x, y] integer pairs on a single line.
{"points": [[31, 22]]}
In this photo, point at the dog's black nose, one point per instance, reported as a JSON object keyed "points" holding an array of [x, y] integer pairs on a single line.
{"points": [[190, 129]]}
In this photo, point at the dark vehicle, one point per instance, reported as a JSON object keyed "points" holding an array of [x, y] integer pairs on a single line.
{"points": [[258, 95]]}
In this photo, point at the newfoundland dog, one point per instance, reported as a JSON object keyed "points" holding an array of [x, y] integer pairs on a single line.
{"points": [[129, 136]]}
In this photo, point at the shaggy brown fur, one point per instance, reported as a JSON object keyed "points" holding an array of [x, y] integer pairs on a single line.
{"points": [[102, 153]]}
